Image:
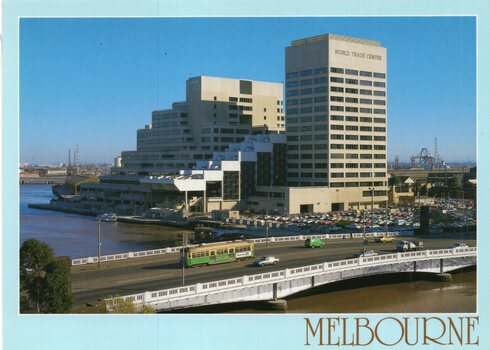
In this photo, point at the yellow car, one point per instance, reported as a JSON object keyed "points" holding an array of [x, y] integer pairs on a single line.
{"points": [[384, 239]]}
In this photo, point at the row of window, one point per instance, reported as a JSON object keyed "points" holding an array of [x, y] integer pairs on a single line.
{"points": [[353, 146], [357, 109], [303, 82], [357, 165], [351, 82], [293, 156], [307, 72], [349, 118], [356, 72], [336, 175], [357, 128], [241, 108]]}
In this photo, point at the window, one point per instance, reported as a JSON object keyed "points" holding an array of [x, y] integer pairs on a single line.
{"points": [[336, 146], [292, 84], [351, 127], [380, 165], [380, 156], [306, 82], [321, 70], [336, 80], [320, 146], [351, 100], [379, 129], [379, 147], [365, 74], [320, 127], [306, 137], [307, 147], [336, 70], [306, 91], [336, 98], [306, 100], [380, 75], [321, 156], [366, 138], [351, 72], [337, 175], [321, 118], [366, 147], [365, 83], [351, 174], [321, 137], [306, 110], [320, 165], [336, 156], [336, 127], [366, 110], [379, 102], [336, 137], [366, 120], [293, 147], [379, 138], [233, 99], [292, 120], [366, 101], [351, 156], [320, 80], [243, 99], [292, 129], [379, 120], [336, 117], [292, 102], [307, 72], [306, 128], [336, 89], [351, 118], [379, 84], [337, 165], [365, 92], [351, 147], [351, 165], [292, 75], [366, 128], [306, 119], [320, 99], [352, 109], [351, 81], [321, 89], [366, 165], [337, 108], [366, 156], [351, 91], [379, 93], [379, 111], [379, 174], [292, 93]]}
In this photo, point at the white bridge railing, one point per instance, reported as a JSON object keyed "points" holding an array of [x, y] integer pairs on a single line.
{"points": [[170, 250], [168, 295]]}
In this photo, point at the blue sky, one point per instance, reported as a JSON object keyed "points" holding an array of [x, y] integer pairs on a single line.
{"points": [[94, 82]]}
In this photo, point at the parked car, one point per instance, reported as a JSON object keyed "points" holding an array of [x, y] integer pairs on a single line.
{"points": [[266, 260], [384, 239], [366, 253], [458, 245]]}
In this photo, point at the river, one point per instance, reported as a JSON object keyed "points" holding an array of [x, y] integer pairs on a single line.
{"points": [[76, 235]]}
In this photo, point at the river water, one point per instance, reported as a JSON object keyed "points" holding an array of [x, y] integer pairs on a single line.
{"points": [[76, 236]]}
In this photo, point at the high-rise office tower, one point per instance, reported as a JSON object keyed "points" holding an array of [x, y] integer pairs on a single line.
{"points": [[336, 116]]}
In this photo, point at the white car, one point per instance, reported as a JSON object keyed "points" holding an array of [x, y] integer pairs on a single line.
{"points": [[266, 260], [458, 245], [366, 253]]}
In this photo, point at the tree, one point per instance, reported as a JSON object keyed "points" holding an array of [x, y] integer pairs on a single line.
{"points": [[45, 281], [393, 180], [118, 305]]}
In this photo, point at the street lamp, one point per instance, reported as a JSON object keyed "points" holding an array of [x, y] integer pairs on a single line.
{"points": [[99, 246], [184, 240]]}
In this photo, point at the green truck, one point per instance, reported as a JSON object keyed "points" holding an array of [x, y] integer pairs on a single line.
{"points": [[314, 243]]}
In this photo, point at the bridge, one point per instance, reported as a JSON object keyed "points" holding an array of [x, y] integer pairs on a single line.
{"points": [[282, 283]]}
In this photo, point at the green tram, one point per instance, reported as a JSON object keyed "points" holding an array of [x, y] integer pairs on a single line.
{"points": [[211, 254]]}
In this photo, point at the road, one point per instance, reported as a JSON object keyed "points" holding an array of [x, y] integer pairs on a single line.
{"points": [[164, 271]]}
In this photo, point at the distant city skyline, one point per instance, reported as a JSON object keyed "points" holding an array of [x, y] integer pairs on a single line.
{"points": [[94, 82]]}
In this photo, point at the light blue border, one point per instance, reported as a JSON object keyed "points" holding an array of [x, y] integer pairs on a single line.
{"points": [[184, 331]]}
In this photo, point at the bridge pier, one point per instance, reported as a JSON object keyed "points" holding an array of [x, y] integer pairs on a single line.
{"points": [[441, 265], [277, 304], [443, 277]]}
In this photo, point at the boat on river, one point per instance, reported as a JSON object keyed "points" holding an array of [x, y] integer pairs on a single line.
{"points": [[107, 217]]}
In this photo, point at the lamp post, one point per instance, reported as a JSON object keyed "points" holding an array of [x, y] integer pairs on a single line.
{"points": [[99, 246], [184, 239], [363, 232]]}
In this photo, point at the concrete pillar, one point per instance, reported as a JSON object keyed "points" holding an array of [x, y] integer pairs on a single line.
{"points": [[414, 266], [274, 291], [441, 265]]}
